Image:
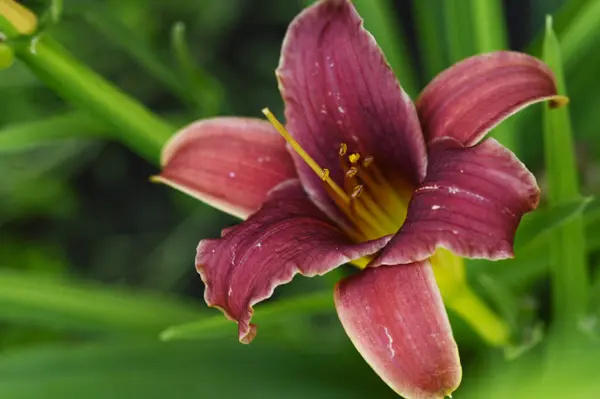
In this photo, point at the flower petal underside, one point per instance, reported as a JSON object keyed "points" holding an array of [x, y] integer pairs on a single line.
{"points": [[471, 203], [471, 97], [338, 88], [230, 163], [287, 236], [395, 317]]}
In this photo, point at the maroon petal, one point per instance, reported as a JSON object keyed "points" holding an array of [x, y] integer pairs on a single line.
{"points": [[288, 235], [470, 203], [468, 99], [338, 88], [230, 163], [396, 319]]}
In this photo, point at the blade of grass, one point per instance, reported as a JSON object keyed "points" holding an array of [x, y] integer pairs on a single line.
{"points": [[31, 299], [458, 27], [183, 370], [134, 46], [380, 21], [570, 282], [428, 19], [581, 35], [24, 136], [576, 25], [489, 32], [207, 91], [540, 224], [319, 302], [133, 124]]}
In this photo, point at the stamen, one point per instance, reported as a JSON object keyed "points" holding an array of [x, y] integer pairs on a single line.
{"points": [[392, 202], [338, 195], [353, 171], [343, 149], [354, 158], [357, 191]]}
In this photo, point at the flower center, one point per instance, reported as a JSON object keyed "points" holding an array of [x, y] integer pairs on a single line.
{"points": [[374, 207]]}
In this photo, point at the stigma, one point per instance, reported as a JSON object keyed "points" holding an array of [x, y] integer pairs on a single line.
{"points": [[374, 208]]}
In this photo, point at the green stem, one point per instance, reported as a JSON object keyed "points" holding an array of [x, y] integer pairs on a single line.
{"points": [[431, 49], [569, 272], [133, 124], [490, 34], [479, 316]]}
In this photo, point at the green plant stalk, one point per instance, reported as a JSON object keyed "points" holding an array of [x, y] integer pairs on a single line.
{"points": [[458, 29], [379, 20], [490, 34], [431, 49], [569, 272], [133, 124]]}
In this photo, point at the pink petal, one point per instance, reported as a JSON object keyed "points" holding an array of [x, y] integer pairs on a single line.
{"points": [[338, 88], [471, 97], [471, 203], [230, 163], [287, 236], [396, 319]]}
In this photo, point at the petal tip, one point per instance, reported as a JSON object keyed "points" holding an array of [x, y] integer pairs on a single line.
{"points": [[247, 333], [558, 101], [395, 318]]}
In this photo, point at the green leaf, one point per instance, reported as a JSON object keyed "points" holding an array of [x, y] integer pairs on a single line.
{"points": [[539, 224], [27, 135], [428, 18], [458, 24], [267, 315], [203, 88], [489, 32], [380, 21], [488, 25], [570, 283], [29, 298], [153, 370], [576, 25], [117, 33], [133, 124]]}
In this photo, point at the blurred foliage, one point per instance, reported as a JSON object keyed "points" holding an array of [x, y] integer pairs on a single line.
{"points": [[95, 261]]}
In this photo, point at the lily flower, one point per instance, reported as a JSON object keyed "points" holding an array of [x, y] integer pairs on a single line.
{"points": [[360, 174]]}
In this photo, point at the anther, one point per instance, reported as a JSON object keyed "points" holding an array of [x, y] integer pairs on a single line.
{"points": [[357, 191], [353, 171], [367, 161], [325, 174], [354, 158], [343, 149]]}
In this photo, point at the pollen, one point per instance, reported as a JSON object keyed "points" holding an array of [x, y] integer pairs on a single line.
{"points": [[354, 158]]}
